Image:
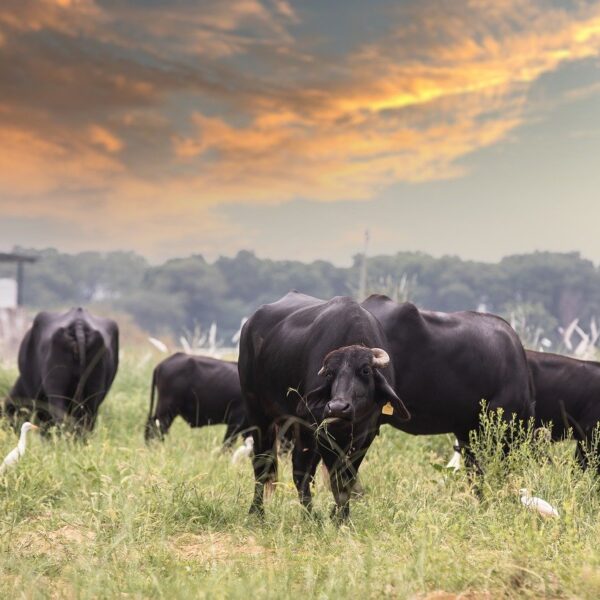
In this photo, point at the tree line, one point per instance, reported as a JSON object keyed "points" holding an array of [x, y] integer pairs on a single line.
{"points": [[541, 290]]}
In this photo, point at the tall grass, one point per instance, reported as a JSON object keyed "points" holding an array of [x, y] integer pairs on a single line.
{"points": [[111, 518]]}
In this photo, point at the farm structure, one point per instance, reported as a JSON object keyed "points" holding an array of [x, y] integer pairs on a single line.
{"points": [[13, 320]]}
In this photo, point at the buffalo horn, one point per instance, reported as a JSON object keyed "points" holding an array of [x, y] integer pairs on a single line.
{"points": [[381, 358]]}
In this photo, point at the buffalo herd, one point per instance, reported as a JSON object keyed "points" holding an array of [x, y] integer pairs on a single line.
{"points": [[326, 374]]}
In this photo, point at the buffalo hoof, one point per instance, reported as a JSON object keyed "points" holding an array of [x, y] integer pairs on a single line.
{"points": [[340, 515], [358, 491], [257, 511], [308, 512]]}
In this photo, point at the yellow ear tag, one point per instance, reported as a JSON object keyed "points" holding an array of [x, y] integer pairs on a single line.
{"points": [[387, 409]]}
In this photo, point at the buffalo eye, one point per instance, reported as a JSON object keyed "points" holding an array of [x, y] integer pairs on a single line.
{"points": [[328, 374], [366, 370]]}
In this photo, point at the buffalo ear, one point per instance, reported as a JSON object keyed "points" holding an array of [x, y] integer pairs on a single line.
{"points": [[384, 394], [302, 410]]}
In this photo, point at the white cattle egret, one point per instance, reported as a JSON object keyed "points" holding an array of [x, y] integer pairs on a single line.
{"points": [[541, 506], [160, 346], [243, 451], [13, 457]]}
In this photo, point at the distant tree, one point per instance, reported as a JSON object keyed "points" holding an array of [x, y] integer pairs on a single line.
{"points": [[59, 279], [546, 289], [565, 284]]}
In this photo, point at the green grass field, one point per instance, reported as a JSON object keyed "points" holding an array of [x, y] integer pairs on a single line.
{"points": [[112, 518]]}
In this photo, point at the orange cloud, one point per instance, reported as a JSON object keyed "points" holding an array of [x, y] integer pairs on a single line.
{"points": [[70, 17], [105, 139], [166, 120], [282, 155], [34, 165], [348, 143]]}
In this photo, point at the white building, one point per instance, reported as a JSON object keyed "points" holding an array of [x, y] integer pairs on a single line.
{"points": [[8, 293]]}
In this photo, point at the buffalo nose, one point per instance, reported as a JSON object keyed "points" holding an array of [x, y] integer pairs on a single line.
{"points": [[340, 409]]}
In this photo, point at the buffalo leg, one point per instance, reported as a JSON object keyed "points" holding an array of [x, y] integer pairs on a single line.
{"points": [[287, 436], [14, 401], [83, 417], [343, 479], [232, 432], [305, 459], [587, 453], [59, 389], [499, 407], [18, 405], [159, 423], [581, 455], [93, 393], [58, 408], [88, 421], [165, 420], [264, 463], [587, 450], [472, 465], [343, 474]]}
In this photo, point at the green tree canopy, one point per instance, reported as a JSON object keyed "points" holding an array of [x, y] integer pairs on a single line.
{"points": [[185, 292]]}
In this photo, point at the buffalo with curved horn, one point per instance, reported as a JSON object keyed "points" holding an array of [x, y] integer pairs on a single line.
{"points": [[323, 366]]}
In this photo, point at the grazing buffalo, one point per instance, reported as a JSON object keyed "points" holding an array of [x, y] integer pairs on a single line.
{"points": [[445, 364], [67, 363], [567, 395], [202, 390], [322, 365]]}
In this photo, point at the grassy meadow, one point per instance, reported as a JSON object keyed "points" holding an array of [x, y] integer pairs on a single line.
{"points": [[112, 518]]}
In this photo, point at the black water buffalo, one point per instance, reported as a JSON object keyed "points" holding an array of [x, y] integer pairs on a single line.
{"points": [[202, 390], [67, 363], [324, 364], [567, 395], [446, 363]]}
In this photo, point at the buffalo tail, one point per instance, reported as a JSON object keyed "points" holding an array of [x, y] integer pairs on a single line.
{"points": [[152, 390]]}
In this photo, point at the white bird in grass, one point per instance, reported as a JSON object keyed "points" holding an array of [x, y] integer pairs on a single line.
{"points": [[541, 506], [13, 457], [243, 451]]}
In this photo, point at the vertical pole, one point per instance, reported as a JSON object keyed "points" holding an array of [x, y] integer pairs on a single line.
{"points": [[362, 287], [20, 278]]}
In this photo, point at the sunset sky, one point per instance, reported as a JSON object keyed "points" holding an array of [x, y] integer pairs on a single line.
{"points": [[288, 128]]}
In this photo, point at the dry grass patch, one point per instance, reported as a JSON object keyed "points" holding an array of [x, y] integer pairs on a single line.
{"points": [[58, 543], [216, 547], [466, 595]]}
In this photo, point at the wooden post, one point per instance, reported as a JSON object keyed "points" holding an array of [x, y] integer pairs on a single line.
{"points": [[362, 286]]}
